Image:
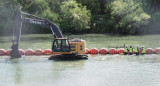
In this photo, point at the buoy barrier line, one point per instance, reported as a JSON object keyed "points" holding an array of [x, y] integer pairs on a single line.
{"points": [[8, 51], [2, 52], [112, 51], [149, 51], [38, 52], [29, 52], [47, 52], [157, 51], [103, 51], [93, 51], [21, 51], [87, 51], [121, 51]]}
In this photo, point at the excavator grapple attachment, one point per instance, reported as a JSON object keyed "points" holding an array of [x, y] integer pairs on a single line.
{"points": [[14, 52]]}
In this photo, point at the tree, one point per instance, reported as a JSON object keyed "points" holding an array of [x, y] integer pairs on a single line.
{"points": [[74, 17], [93, 16], [40, 8], [152, 8], [7, 12], [128, 15]]}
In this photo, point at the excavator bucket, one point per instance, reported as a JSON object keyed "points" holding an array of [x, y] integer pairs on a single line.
{"points": [[16, 33], [14, 52]]}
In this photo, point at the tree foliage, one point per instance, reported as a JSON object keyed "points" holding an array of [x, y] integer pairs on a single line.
{"points": [[75, 17], [7, 9], [89, 16], [128, 15]]}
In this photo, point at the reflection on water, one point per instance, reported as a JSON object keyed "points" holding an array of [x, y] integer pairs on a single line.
{"points": [[18, 72]]}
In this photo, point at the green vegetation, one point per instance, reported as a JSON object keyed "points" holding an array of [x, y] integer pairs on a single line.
{"points": [[74, 17], [128, 16], [86, 16]]}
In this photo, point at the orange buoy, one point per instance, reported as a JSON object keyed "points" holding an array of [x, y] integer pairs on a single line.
{"points": [[112, 51], [47, 52], [149, 51], [103, 51], [8, 51], [29, 52], [94, 51], [87, 51], [121, 51], [21, 51], [157, 51], [2, 52], [38, 52]]}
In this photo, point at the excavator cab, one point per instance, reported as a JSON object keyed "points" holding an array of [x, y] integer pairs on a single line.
{"points": [[61, 45]]}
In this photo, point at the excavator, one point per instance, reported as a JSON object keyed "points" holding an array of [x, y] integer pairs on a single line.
{"points": [[62, 48]]}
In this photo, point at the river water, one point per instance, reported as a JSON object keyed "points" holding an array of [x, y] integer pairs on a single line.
{"points": [[98, 70]]}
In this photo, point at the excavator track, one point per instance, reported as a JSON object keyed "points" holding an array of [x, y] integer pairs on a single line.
{"points": [[68, 57]]}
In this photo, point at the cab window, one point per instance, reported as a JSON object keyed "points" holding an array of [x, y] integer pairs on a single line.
{"points": [[60, 45]]}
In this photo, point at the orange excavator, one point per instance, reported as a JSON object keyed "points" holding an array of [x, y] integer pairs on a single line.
{"points": [[62, 48]]}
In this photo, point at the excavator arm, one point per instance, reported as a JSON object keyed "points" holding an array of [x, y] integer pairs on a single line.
{"points": [[29, 18]]}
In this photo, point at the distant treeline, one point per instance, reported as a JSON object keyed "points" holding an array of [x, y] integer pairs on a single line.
{"points": [[86, 16]]}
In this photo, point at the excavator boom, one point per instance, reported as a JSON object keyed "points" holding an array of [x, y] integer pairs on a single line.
{"points": [[29, 18], [62, 47]]}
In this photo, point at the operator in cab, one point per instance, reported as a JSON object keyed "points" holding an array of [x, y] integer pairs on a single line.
{"points": [[137, 50]]}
